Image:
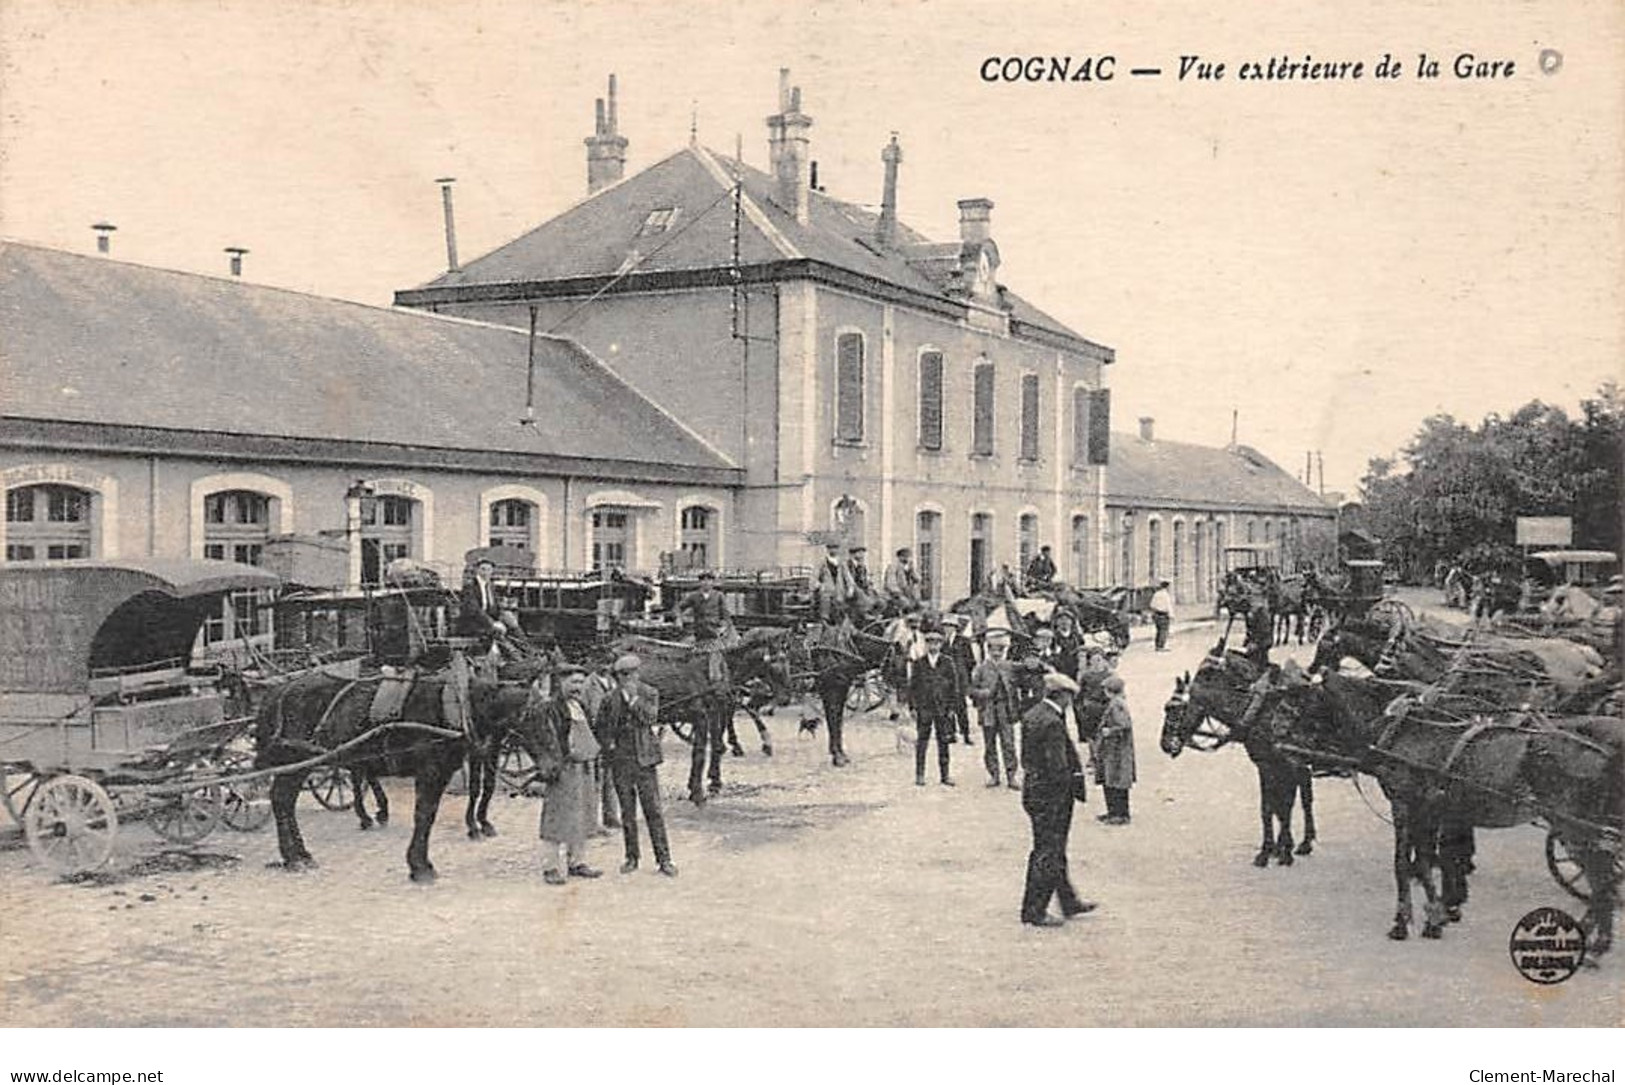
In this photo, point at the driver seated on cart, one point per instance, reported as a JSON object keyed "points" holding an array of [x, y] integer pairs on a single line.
{"points": [[703, 615], [481, 615]]}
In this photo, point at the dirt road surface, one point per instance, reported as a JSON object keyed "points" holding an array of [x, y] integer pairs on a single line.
{"points": [[808, 896]]}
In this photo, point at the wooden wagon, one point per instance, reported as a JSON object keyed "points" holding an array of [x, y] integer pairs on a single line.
{"points": [[104, 713]]}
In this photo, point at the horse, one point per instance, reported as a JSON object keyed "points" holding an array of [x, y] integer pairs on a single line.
{"points": [[1444, 766], [1550, 673], [315, 718], [693, 693], [840, 658], [1290, 601], [1222, 689]]}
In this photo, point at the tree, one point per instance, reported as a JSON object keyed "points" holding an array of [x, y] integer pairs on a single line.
{"points": [[1461, 489]]}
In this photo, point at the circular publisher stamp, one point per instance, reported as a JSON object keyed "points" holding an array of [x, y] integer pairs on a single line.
{"points": [[1547, 946]]}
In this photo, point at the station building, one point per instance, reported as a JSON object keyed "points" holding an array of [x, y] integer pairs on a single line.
{"points": [[865, 380]]}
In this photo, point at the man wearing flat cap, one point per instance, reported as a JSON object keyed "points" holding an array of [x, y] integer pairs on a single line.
{"points": [[997, 693], [1054, 781], [567, 802], [933, 691], [630, 724]]}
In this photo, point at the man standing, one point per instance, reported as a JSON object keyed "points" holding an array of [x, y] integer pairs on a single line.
{"points": [[1054, 782], [1041, 571], [567, 802], [629, 724], [1114, 753], [857, 558], [835, 587], [998, 706], [933, 690], [902, 584], [957, 647], [1162, 612], [702, 613]]}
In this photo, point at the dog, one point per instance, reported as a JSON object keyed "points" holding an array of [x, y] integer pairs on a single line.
{"points": [[809, 727]]}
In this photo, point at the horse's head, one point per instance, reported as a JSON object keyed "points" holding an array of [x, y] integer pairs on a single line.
{"points": [[1189, 717], [763, 655], [1174, 728]]}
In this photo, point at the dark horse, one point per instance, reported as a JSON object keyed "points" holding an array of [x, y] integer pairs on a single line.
{"points": [[316, 717], [1223, 689], [840, 658], [1441, 762], [692, 694]]}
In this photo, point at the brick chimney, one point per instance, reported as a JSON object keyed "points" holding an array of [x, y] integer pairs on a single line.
{"points": [[1146, 424], [236, 254], [104, 237], [606, 147], [886, 228], [975, 220], [787, 150]]}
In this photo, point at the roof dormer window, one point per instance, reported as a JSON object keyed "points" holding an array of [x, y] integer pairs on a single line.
{"points": [[659, 220]]}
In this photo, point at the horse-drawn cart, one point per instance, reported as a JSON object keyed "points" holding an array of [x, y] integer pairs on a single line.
{"points": [[104, 715]]}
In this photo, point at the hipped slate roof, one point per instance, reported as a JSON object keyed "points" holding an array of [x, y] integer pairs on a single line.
{"points": [[91, 340], [597, 237], [1170, 473]]}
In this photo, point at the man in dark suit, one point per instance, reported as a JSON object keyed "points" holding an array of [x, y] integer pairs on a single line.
{"points": [[1054, 781], [480, 614], [957, 647], [629, 726], [933, 691]]}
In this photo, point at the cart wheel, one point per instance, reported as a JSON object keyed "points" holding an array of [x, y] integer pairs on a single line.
{"points": [[867, 694], [1394, 609], [515, 766], [331, 786], [18, 794], [1569, 872], [188, 818], [71, 824], [683, 730], [247, 805]]}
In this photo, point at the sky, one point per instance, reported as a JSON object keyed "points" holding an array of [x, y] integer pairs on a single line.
{"points": [[1334, 261]]}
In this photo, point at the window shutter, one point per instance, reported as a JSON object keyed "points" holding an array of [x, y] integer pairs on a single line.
{"points": [[931, 401], [982, 420], [1080, 426], [849, 388], [1100, 426], [1029, 417]]}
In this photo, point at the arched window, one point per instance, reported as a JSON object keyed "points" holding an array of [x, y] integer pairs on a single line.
{"points": [[611, 537], [1081, 574], [1026, 541], [1125, 561], [1199, 539], [697, 541], [236, 524], [981, 536], [512, 523], [931, 400], [387, 523], [48, 522], [1177, 573], [927, 552], [849, 388]]}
